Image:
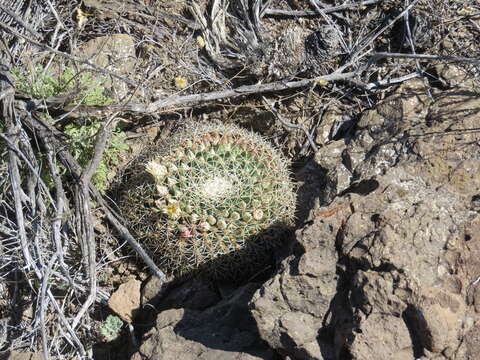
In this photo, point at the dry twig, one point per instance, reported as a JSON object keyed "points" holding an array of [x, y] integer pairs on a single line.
{"points": [[327, 10], [289, 124], [381, 55]]}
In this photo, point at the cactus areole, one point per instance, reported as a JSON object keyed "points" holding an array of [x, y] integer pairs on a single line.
{"points": [[214, 197]]}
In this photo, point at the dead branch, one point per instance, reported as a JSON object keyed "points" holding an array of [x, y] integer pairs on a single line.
{"points": [[381, 55], [277, 86], [43, 305], [173, 101], [20, 21], [85, 220], [23, 201], [48, 134], [357, 53], [328, 10], [126, 236]]}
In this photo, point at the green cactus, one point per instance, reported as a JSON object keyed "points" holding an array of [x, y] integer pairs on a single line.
{"points": [[215, 197]]}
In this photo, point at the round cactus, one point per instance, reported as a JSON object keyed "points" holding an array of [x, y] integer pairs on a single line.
{"points": [[214, 196]]}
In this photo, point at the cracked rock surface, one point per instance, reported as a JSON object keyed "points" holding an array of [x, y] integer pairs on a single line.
{"points": [[387, 262]]}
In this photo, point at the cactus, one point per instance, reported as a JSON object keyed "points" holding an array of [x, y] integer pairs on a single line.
{"points": [[214, 196]]}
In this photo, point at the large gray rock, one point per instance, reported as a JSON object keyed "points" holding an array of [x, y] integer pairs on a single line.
{"points": [[405, 223], [409, 237], [291, 307], [382, 336], [223, 331]]}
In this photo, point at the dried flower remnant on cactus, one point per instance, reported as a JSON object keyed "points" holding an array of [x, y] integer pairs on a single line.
{"points": [[215, 197], [158, 171]]}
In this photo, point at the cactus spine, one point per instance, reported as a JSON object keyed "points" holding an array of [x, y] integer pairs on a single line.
{"points": [[215, 196]]}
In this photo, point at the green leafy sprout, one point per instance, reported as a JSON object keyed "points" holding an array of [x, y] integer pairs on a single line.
{"points": [[111, 327], [40, 84], [82, 144]]}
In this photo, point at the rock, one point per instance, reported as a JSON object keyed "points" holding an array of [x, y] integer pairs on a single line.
{"points": [[115, 53], [454, 110], [379, 292], [456, 76], [152, 288], [438, 320], [126, 300], [21, 355], [331, 119], [223, 331], [196, 294], [403, 210], [476, 297], [469, 248], [382, 336], [290, 308], [409, 240], [472, 341], [380, 331]]}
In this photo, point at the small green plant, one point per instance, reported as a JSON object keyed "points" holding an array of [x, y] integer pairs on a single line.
{"points": [[82, 144], [111, 327], [41, 84], [215, 197]]}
